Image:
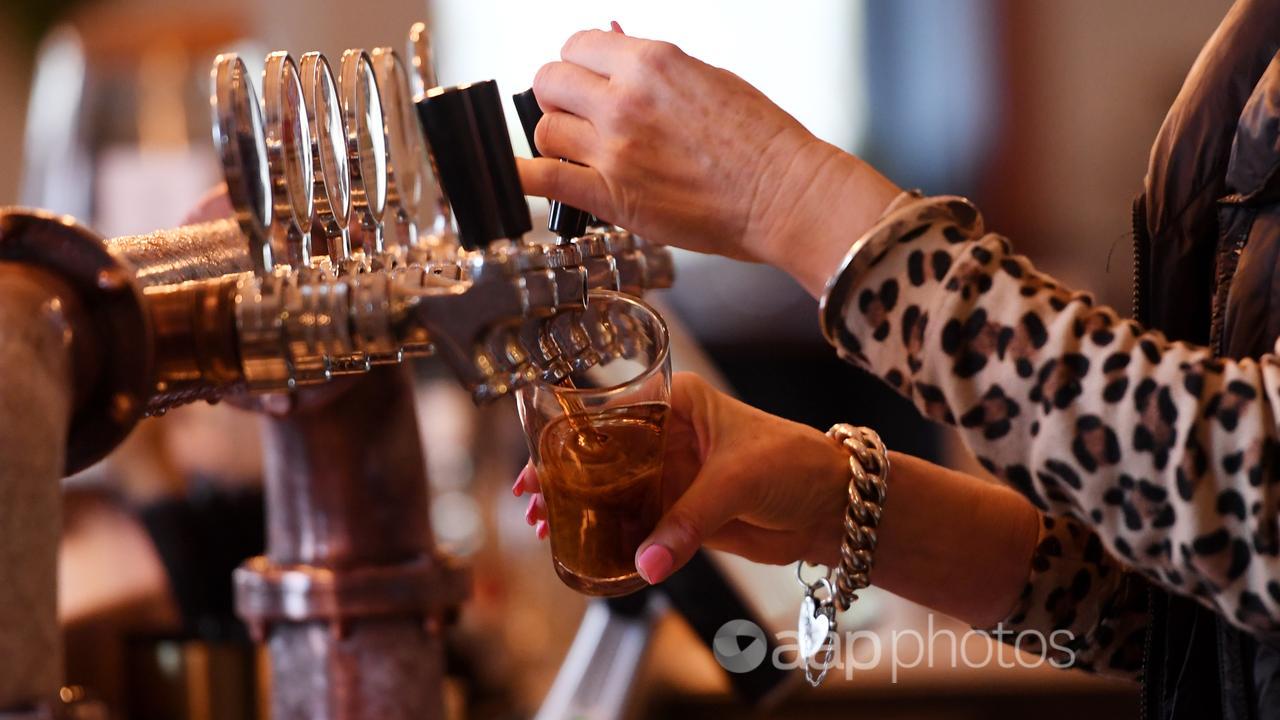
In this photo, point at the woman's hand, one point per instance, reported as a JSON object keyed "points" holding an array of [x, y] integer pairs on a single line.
{"points": [[736, 479], [774, 491], [691, 155]]}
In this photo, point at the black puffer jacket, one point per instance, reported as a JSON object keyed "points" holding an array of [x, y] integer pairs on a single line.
{"points": [[1207, 270]]}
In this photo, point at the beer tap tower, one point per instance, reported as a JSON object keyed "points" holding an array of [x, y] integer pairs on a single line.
{"points": [[324, 282]]}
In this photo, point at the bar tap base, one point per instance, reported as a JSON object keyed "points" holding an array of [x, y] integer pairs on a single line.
{"points": [[351, 596], [390, 668]]}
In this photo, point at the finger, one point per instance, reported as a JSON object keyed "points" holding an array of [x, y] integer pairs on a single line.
{"points": [[542, 530], [531, 511], [562, 86], [600, 51], [576, 185], [561, 135], [691, 396], [701, 512], [526, 481]]}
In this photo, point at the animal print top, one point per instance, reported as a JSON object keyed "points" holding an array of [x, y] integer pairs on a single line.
{"points": [[1152, 461]]}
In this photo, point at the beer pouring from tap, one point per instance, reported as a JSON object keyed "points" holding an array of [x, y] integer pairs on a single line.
{"points": [[305, 327]]}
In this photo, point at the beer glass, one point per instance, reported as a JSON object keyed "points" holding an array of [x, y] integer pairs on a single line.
{"points": [[597, 439]]}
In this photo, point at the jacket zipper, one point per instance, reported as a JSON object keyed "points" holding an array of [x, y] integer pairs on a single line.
{"points": [[1141, 260], [1227, 262], [1146, 655]]}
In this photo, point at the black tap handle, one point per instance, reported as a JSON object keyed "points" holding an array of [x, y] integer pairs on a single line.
{"points": [[530, 113], [565, 221], [467, 131]]}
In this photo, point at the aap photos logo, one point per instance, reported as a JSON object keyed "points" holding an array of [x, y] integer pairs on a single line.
{"points": [[739, 646]]}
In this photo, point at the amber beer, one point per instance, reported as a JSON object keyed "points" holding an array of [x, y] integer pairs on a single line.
{"points": [[603, 491]]}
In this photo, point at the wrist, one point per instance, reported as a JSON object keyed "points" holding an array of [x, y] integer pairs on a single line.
{"points": [[833, 481], [825, 201], [954, 542]]}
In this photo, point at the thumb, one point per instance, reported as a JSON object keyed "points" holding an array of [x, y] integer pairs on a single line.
{"points": [[576, 185], [704, 508]]}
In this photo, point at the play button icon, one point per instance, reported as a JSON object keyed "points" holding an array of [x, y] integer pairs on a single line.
{"points": [[739, 646]]}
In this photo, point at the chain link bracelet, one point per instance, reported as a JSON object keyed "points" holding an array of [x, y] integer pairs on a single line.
{"points": [[837, 591], [868, 483]]}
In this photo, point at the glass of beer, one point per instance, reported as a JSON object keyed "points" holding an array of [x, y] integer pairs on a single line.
{"points": [[597, 440]]}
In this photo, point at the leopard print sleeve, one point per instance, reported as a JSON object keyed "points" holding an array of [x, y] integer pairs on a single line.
{"points": [[1087, 611], [1163, 450]]}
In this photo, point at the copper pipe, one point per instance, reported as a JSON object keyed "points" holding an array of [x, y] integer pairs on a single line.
{"points": [[158, 309], [196, 355], [38, 363], [206, 251], [351, 594], [188, 275]]}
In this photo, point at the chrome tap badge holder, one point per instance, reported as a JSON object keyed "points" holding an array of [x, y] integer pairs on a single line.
{"points": [[331, 184]]}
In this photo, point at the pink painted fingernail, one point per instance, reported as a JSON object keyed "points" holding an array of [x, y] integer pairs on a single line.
{"points": [[615, 27], [518, 488], [528, 513], [654, 563], [541, 530]]}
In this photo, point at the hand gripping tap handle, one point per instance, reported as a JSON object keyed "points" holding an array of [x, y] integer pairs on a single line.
{"points": [[467, 131], [566, 221]]}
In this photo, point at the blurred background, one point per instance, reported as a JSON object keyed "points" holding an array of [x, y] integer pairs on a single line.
{"points": [[1043, 112]]}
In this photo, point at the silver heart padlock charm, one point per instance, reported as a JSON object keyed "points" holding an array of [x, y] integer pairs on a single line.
{"points": [[815, 629]]}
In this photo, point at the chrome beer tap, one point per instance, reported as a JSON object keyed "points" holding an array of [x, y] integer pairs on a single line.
{"points": [[408, 172], [289, 161], [613, 258], [246, 303], [366, 155], [423, 78], [404, 154], [565, 342], [512, 284], [331, 183]]}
